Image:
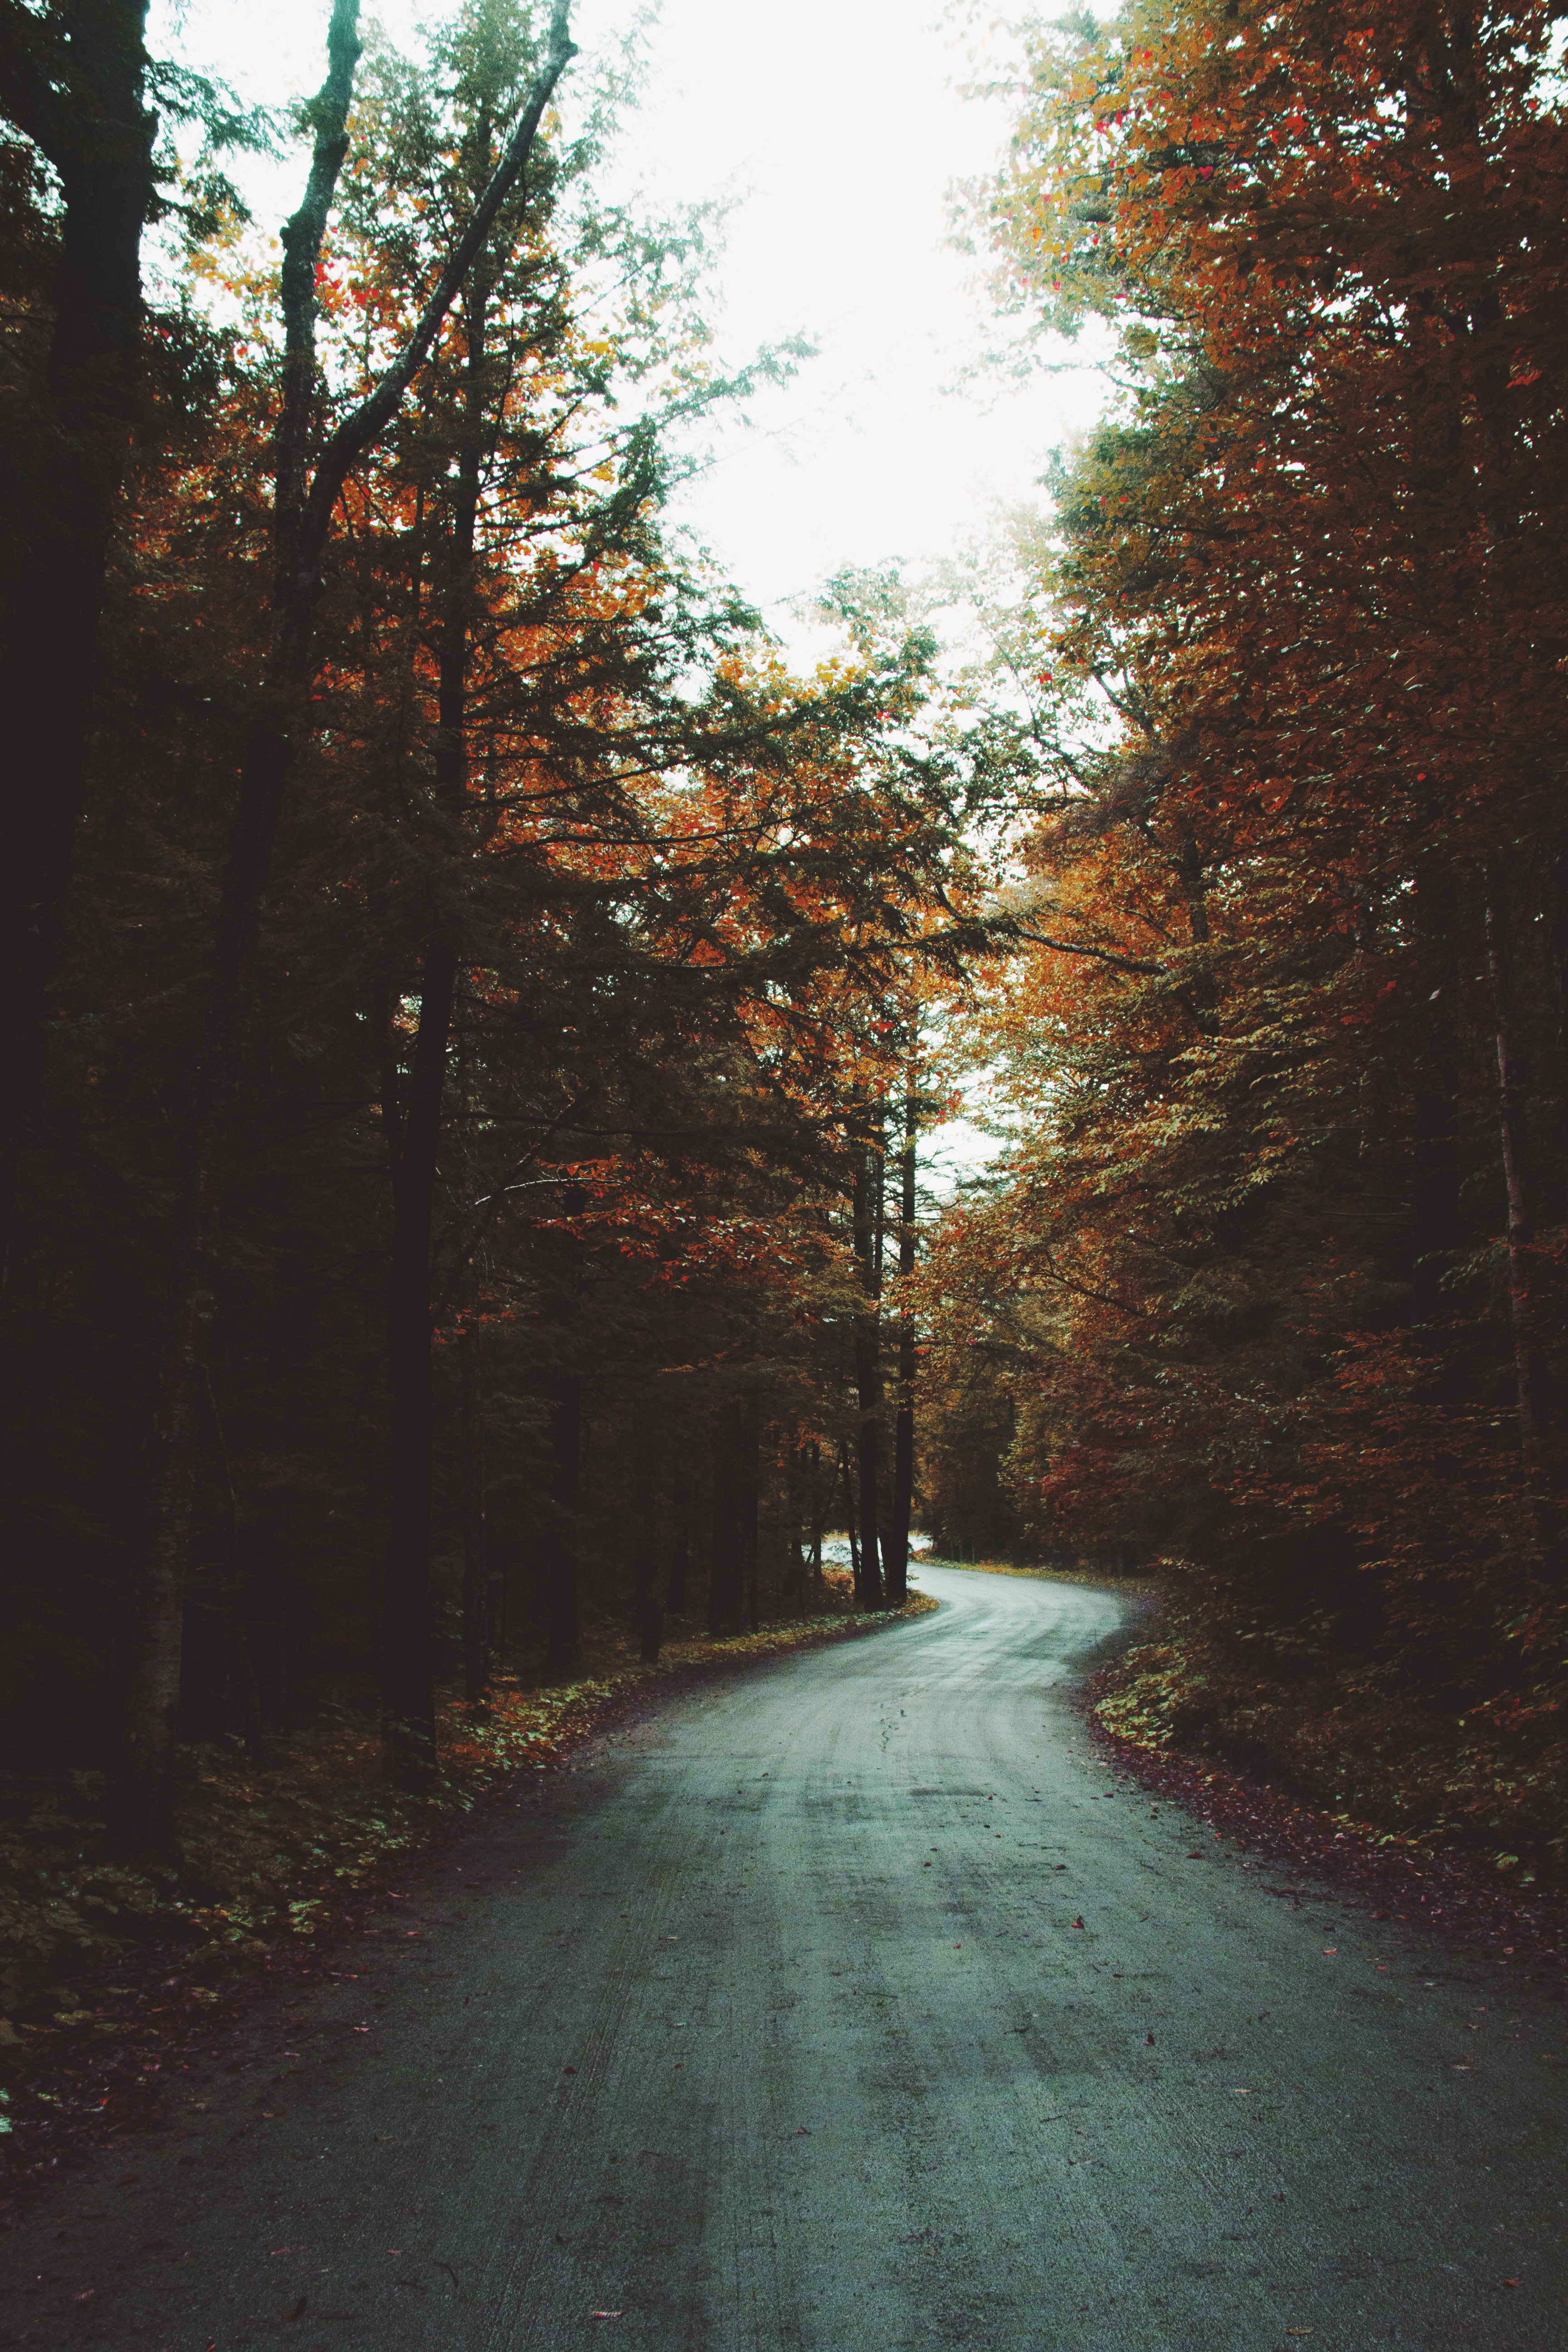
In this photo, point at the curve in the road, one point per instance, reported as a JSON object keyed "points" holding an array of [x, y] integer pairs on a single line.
{"points": [[852, 2005]]}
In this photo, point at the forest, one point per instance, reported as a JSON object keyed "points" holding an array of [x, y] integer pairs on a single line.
{"points": [[473, 1009]]}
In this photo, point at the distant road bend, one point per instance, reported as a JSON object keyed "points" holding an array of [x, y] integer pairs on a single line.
{"points": [[829, 2009]]}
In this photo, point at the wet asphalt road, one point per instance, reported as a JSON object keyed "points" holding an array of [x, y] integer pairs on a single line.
{"points": [[775, 2026]]}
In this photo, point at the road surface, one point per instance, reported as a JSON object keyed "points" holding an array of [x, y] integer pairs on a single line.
{"points": [[830, 2009]]}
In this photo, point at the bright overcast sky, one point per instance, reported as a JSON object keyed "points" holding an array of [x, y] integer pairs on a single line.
{"points": [[838, 127]]}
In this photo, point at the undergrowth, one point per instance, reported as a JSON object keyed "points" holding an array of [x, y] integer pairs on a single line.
{"points": [[1338, 1731]]}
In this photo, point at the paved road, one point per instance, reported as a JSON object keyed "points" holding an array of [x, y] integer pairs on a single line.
{"points": [[775, 2029]]}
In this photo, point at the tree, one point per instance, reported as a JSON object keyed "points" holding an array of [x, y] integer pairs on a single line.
{"points": [[306, 499], [1264, 1248]]}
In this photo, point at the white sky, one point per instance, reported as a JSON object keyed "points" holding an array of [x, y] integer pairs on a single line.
{"points": [[840, 127]]}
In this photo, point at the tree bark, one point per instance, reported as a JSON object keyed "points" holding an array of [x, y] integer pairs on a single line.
{"points": [[1434, 1171], [475, 1546], [897, 1549], [408, 1697], [748, 1498], [1531, 1381], [851, 1518], [724, 1581], [647, 1607], [868, 1592], [86, 114], [563, 1606], [680, 1545], [408, 1691]]}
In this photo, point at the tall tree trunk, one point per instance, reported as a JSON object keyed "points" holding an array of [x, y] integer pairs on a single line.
{"points": [[95, 129], [748, 1498], [1531, 1376], [679, 1544], [724, 1580], [897, 1549], [647, 1607], [1433, 1173], [409, 1694], [869, 1592], [851, 1519], [408, 1691], [818, 1506], [1559, 955], [563, 1605], [476, 1546]]}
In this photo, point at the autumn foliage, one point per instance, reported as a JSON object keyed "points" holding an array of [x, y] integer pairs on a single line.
{"points": [[1273, 1277]]}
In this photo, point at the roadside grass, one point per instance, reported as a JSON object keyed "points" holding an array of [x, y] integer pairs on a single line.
{"points": [[271, 1852]]}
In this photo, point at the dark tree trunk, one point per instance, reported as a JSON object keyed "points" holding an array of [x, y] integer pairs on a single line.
{"points": [[1532, 1377], [680, 1544], [1434, 1172], [95, 129], [476, 1628], [647, 1607], [748, 1499], [562, 1607], [897, 1553], [724, 1586], [408, 1695], [869, 1592], [1559, 955], [817, 1508], [408, 1691], [851, 1515]]}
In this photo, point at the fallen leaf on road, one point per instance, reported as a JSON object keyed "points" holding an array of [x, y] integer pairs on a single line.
{"points": [[86, 2295], [1078, 1921], [1510, 2282], [606, 2314], [299, 2310], [1194, 1855]]}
